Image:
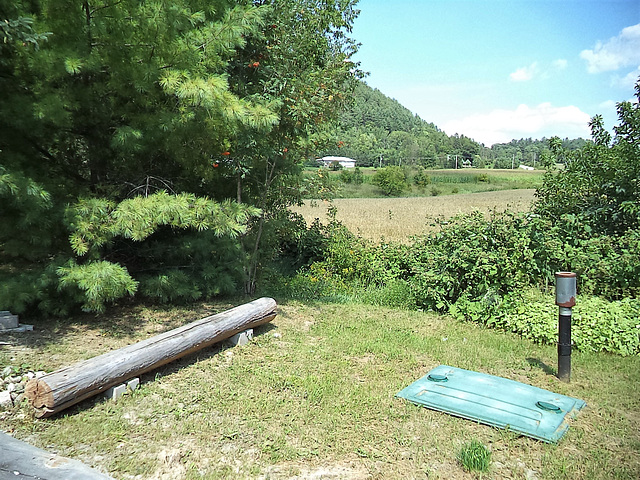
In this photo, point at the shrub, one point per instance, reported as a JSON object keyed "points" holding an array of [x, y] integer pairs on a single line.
{"points": [[597, 325], [422, 178], [471, 256], [391, 180], [335, 166], [346, 176], [358, 177]]}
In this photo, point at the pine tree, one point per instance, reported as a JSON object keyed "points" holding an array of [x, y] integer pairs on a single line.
{"points": [[134, 129]]}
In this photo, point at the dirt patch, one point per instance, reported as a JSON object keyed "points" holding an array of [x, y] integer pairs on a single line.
{"points": [[346, 471]]}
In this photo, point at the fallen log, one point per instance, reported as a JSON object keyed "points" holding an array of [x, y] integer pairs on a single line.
{"points": [[67, 386], [20, 460]]}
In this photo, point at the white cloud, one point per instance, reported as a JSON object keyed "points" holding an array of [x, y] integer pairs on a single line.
{"points": [[560, 64], [524, 74], [608, 105], [628, 81], [501, 126], [617, 52]]}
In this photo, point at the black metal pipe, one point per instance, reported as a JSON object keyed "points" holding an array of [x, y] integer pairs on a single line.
{"points": [[564, 345]]}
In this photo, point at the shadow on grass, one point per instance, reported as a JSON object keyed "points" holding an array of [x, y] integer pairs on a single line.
{"points": [[119, 322], [537, 363]]}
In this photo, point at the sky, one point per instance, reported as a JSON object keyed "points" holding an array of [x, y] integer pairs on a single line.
{"points": [[497, 70]]}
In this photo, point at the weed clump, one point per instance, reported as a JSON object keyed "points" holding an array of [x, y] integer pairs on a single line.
{"points": [[474, 456]]}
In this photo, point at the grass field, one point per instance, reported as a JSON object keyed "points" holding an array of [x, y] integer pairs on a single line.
{"points": [[313, 397], [398, 218], [447, 182]]}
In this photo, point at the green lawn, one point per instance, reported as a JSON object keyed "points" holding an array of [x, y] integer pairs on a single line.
{"points": [[314, 395]]}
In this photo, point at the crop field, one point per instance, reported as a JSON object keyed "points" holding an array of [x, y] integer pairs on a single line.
{"points": [[442, 182], [396, 219]]}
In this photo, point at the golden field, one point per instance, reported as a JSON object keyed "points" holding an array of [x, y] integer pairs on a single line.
{"points": [[396, 219]]}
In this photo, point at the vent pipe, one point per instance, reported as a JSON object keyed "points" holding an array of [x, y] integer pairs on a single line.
{"points": [[565, 299]]}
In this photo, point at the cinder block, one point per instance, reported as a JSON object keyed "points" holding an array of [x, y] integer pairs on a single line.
{"points": [[242, 338], [8, 321], [115, 392], [133, 384]]}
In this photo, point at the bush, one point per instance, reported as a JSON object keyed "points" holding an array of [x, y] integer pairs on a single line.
{"points": [[471, 256], [391, 180], [422, 178], [476, 269], [358, 177], [597, 325], [335, 166], [346, 176]]}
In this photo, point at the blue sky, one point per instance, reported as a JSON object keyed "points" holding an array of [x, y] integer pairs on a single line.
{"points": [[495, 70]]}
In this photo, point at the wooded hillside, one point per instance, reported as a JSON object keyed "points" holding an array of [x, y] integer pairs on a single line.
{"points": [[376, 130]]}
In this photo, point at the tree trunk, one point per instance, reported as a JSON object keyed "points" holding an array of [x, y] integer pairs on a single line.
{"points": [[58, 390]]}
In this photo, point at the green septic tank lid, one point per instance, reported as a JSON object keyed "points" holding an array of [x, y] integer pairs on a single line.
{"points": [[495, 401]]}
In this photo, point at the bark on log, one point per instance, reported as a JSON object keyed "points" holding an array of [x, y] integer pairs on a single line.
{"points": [[58, 390], [19, 460]]}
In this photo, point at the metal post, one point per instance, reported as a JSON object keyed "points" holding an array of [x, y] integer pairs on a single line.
{"points": [[565, 299]]}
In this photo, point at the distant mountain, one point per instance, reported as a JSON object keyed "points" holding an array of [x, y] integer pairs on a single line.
{"points": [[377, 130]]}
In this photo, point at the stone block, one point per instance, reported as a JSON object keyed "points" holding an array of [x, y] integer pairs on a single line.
{"points": [[21, 328], [115, 392], [8, 321], [240, 339], [133, 383]]}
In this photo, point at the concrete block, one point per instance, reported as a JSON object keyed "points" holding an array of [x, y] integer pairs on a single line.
{"points": [[21, 328], [115, 392], [242, 338], [8, 321], [133, 384]]}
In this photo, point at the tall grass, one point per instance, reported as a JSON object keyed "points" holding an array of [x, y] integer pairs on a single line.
{"points": [[396, 219]]}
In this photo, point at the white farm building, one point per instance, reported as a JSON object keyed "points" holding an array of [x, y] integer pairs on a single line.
{"points": [[346, 162]]}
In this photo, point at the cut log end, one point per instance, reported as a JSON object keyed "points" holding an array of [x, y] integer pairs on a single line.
{"points": [[39, 394]]}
